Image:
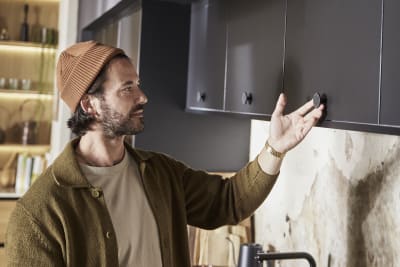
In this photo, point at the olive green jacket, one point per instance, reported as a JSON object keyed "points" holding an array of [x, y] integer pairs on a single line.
{"points": [[63, 220]]}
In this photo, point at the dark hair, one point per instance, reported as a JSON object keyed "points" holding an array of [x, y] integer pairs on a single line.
{"points": [[80, 121]]}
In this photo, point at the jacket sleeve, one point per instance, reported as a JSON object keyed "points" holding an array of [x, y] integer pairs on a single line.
{"points": [[26, 243], [212, 201]]}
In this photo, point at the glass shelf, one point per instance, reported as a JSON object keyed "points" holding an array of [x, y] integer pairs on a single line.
{"points": [[34, 149]]}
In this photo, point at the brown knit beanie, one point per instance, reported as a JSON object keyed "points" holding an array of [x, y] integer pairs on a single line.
{"points": [[78, 67]]}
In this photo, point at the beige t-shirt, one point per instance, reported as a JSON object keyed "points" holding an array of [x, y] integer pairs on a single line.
{"points": [[132, 217]]}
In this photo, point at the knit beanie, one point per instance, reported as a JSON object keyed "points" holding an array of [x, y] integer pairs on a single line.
{"points": [[78, 67]]}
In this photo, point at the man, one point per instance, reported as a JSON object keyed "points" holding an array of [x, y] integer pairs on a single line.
{"points": [[103, 203]]}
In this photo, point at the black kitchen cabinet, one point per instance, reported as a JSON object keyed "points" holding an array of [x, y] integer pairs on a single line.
{"points": [[255, 46], [390, 92], [236, 55], [206, 76], [333, 47], [245, 53]]}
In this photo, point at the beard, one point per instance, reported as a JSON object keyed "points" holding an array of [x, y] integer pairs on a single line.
{"points": [[115, 124]]}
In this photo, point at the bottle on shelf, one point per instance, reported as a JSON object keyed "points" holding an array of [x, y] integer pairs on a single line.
{"points": [[36, 32], [24, 26]]}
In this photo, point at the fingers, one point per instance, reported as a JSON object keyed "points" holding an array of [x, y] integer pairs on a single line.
{"points": [[309, 121], [280, 105], [305, 108], [314, 115]]}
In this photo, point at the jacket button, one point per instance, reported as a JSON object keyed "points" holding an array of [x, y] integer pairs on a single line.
{"points": [[108, 235], [96, 193]]}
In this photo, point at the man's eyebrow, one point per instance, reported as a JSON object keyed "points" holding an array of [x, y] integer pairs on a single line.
{"points": [[137, 82], [127, 83]]}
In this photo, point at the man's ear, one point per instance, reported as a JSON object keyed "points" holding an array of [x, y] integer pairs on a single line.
{"points": [[87, 105]]}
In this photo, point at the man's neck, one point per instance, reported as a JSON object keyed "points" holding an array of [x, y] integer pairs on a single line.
{"points": [[96, 150]]}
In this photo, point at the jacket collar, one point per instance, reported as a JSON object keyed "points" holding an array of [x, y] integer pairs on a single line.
{"points": [[66, 171]]}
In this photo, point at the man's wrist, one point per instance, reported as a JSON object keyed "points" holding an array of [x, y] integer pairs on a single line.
{"points": [[269, 162]]}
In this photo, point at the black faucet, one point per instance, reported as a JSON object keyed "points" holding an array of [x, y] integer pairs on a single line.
{"points": [[252, 255]]}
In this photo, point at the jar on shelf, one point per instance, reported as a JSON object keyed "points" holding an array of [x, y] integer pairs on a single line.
{"points": [[25, 127], [4, 36]]}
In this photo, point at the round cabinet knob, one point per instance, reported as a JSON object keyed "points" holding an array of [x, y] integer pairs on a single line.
{"points": [[247, 98], [200, 96], [318, 99]]}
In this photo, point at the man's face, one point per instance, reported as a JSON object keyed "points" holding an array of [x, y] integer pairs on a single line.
{"points": [[121, 108]]}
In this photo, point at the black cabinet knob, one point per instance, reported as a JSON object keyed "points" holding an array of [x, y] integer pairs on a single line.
{"points": [[247, 98], [318, 99], [201, 96]]}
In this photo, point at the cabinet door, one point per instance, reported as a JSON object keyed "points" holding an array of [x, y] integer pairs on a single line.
{"points": [[390, 92], [254, 55], [334, 47], [206, 56]]}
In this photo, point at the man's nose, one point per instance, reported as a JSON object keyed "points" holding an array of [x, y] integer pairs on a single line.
{"points": [[142, 98]]}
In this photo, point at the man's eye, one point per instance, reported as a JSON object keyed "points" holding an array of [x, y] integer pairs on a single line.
{"points": [[127, 89]]}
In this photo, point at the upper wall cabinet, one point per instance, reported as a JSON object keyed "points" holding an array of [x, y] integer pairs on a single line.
{"points": [[236, 55], [333, 47], [207, 56], [255, 45], [390, 93], [242, 55]]}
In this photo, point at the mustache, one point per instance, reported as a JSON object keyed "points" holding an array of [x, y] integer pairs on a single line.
{"points": [[137, 108]]}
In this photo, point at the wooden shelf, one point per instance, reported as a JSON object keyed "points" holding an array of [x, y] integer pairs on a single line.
{"points": [[27, 45], [34, 149]]}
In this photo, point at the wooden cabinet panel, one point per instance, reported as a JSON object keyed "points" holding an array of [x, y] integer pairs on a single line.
{"points": [[207, 56], [334, 47], [390, 93], [2, 257], [6, 207], [255, 38]]}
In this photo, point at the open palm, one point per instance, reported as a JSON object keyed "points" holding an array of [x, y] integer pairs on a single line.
{"points": [[286, 131]]}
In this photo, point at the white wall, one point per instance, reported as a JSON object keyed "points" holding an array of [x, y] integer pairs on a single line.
{"points": [[337, 197]]}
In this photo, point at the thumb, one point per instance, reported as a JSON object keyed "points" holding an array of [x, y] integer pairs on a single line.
{"points": [[280, 105]]}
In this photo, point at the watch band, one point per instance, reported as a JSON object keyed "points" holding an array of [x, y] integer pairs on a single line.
{"points": [[273, 152]]}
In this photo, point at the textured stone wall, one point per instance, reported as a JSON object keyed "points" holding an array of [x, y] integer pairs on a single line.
{"points": [[337, 197]]}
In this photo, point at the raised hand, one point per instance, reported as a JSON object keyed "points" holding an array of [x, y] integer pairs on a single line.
{"points": [[286, 131]]}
